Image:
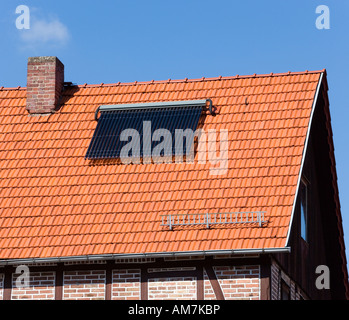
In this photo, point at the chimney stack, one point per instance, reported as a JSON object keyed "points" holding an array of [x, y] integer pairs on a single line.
{"points": [[45, 80]]}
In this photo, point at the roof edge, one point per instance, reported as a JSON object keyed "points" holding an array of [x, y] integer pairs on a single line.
{"points": [[92, 258], [323, 73]]}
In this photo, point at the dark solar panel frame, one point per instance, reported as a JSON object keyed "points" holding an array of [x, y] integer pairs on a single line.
{"points": [[106, 144]]}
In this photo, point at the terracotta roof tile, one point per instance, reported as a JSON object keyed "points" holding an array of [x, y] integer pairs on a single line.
{"points": [[55, 203]]}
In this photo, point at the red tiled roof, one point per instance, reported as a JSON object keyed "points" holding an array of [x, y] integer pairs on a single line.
{"points": [[56, 203]]}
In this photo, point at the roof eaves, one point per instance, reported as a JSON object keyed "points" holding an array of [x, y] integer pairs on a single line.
{"points": [[143, 255]]}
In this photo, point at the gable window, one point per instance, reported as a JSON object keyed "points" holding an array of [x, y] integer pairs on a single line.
{"points": [[145, 131], [285, 291], [304, 209]]}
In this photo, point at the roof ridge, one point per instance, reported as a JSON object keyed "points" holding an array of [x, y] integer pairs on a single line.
{"points": [[85, 85], [13, 88]]}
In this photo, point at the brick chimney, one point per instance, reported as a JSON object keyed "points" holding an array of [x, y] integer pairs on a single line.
{"points": [[45, 78]]}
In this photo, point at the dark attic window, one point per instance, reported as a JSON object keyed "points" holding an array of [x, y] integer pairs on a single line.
{"points": [[304, 209], [147, 132]]}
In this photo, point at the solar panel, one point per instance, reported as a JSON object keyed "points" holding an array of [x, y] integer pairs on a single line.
{"points": [[152, 131]]}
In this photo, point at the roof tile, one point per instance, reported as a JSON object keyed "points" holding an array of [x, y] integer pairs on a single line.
{"points": [[56, 203]]}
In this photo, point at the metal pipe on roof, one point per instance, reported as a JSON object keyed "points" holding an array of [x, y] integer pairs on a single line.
{"points": [[154, 105], [143, 255]]}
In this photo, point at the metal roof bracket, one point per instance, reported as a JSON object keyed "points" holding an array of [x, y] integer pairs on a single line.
{"points": [[154, 105]]}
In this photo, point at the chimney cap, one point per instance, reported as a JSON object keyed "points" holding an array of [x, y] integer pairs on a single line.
{"points": [[43, 59]]}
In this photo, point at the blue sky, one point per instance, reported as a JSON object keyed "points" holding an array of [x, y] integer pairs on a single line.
{"points": [[110, 41]]}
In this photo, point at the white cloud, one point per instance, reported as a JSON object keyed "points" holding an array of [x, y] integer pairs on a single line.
{"points": [[45, 32]]}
